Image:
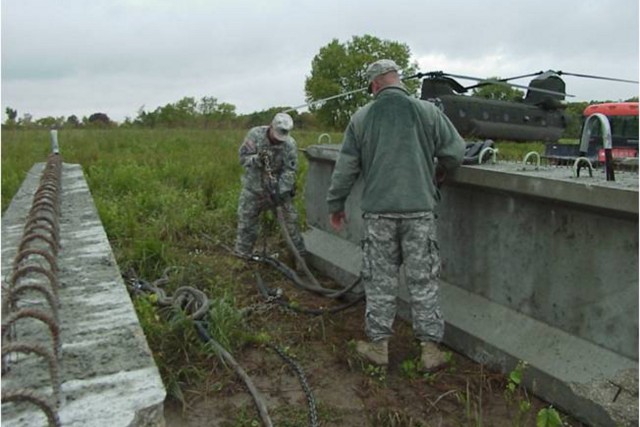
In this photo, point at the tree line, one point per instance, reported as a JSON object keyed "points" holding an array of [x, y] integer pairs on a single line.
{"points": [[338, 68], [205, 113]]}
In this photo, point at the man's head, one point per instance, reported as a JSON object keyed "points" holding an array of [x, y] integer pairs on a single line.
{"points": [[281, 125], [381, 73]]}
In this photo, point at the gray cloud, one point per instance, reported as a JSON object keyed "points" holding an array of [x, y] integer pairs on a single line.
{"points": [[73, 57]]}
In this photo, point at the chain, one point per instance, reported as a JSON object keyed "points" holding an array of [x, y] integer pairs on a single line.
{"points": [[313, 412], [260, 308], [271, 181]]}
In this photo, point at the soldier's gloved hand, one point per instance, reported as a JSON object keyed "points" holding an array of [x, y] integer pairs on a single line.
{"points": [[263, 157], [256, 161]]}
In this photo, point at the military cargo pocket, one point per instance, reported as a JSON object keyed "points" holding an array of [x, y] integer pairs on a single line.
{"points": [[366, 257]]}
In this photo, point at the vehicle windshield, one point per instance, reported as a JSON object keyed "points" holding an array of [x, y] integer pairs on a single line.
{"points": [[624, 129]]}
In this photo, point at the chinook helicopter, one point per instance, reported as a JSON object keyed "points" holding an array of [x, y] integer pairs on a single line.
{"points": [[539, 117]]}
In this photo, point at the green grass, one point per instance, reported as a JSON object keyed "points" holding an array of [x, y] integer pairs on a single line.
{"points": [[158, 192], [165, 197], [154, 189]]}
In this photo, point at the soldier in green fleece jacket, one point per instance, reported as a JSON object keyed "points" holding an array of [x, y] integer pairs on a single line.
{"points": [[393, 142]]}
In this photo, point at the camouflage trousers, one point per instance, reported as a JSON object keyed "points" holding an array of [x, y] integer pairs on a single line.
{"points": [[388, 243], [250, 206]]}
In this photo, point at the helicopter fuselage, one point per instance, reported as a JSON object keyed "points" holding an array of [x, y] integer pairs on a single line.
{"points": [[540, 118], [502, 120]]}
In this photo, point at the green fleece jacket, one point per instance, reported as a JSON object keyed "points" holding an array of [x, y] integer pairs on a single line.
{"points": [[393, 141]]}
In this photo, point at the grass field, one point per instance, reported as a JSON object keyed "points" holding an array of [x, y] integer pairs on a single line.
{"points": [[154, 189], [157, 190], [167, 198]]}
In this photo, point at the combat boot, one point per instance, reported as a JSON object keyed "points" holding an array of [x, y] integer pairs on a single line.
{"points": [[375, 352], [432, 357]]}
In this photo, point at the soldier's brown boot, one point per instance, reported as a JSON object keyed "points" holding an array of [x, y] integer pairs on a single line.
{"points": [[432, 357], [375, 352]]}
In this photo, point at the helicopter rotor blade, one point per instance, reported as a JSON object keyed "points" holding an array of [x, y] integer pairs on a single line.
{"points": [[613, 79], [506, 79], [502, 83]]}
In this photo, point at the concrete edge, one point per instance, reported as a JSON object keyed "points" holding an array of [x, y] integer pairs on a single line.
{"points": [[107, 372], [585, 193]]}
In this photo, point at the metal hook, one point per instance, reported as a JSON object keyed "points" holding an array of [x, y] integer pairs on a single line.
{"points": [[526, 158]]}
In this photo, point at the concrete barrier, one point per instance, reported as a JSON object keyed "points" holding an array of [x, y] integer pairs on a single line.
{"points": [[107, 373], [539, 266]]}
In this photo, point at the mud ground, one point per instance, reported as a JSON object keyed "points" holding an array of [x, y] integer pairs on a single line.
{"points": [[346, 390]]}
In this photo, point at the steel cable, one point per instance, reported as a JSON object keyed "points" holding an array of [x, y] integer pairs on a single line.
{"points": [[195, 304]]}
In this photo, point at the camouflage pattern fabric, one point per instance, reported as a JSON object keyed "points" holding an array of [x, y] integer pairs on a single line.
{"points": [[390, 241], [250, 206], [282, 158], [270, 168]]}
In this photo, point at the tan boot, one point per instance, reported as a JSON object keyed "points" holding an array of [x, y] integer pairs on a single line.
{"points": [[374, 352], [432, 357]]}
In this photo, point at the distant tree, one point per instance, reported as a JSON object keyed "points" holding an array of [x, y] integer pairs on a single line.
{"points": [[50, 122], [498, 92], [99, 119], [340, 68], [72, 121], [26, 120], [11, 114], [146, 119], [207, 105], [11, 118], [573, 112], [225, 114], [127, 123], [187, 108], [306, 121], [264, 117]]}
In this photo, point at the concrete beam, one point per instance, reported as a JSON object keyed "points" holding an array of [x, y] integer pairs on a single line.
{"points": [[588, 381], [539, 265], [107, 372]]}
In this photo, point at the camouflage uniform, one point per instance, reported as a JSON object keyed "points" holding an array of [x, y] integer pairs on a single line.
{"points": [[391, 240], [269, 168], [393, 143]]}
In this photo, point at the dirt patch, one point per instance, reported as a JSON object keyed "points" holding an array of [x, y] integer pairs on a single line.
{"points": [[346, 390]]}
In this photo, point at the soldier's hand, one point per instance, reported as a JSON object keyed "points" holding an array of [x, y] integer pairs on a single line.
{"points": [[337, 220], [256, 161]]}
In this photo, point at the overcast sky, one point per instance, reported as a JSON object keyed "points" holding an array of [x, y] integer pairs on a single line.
{"points": [[63, 57]]}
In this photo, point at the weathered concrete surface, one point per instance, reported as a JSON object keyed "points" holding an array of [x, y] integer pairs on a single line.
{"points": [[108, 376], [538, 266]]}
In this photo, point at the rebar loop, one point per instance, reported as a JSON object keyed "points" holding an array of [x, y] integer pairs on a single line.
{"points": [[33, 294]]}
